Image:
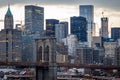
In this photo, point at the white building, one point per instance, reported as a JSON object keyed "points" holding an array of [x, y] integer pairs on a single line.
{"points": [[71, 42]]}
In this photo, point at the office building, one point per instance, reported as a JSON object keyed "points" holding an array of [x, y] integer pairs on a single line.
{"points": [[61, 31], [34, 20], [115, 33], [50, 27], [10, 40], [34, 29], [87, 11], [79, 28], [104, 27]]}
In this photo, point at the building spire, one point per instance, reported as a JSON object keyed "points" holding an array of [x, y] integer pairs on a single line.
{"points": [[9, 11], [8, 22]]}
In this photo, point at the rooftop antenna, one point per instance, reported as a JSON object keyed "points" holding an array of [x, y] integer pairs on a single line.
{"points": [[102, 14]]}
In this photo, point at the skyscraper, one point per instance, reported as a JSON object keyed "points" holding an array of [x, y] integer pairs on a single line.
{"points": [[87, 11], [10, 40], [115, 33], [79, 28], [104, 27], [61, 31], [8, 21], [50, 27], [34, 20]]}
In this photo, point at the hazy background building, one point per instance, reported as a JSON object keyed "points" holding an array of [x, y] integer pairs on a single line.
{"points": [[61, 31]]}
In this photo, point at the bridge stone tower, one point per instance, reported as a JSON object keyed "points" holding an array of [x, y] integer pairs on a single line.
{"points": [[45, 53]]}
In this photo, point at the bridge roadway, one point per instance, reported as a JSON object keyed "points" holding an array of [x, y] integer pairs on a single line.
{"points": [[46, 64]]}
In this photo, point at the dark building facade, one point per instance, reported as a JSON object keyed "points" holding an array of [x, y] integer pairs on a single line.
{"points": [[10, 40], [34, 20], [50, 27], [84, 55], [117, 56], [115, 33], [79, 28]]}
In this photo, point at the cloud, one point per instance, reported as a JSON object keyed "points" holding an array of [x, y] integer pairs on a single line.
{"points": [[112, 4]]}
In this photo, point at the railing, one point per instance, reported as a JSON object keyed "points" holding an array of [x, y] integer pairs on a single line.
{"points": [[47, 64]]}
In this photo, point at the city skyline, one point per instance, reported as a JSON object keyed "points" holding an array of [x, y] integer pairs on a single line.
{"points": [[65, 9]]}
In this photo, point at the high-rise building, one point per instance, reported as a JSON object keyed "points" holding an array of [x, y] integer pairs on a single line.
{"points": [[115, 33], [61, 31], [79, 28], [34, 28], [34, 20], [87, 11], [104, 27], [50, 27], [10, 40]]}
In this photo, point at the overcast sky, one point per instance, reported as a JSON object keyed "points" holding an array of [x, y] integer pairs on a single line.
{"points": [[112, 4], [63, 9]]}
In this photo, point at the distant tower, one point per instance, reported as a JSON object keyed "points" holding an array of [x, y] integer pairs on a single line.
{"points": [[10, 40], [104, 27], [8, 22], [87, 11]]}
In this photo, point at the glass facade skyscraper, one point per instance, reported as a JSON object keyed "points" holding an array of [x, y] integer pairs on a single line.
{"points": [[87, 11], [79, 28], [50, 27], [115, 33], [34, 20]]}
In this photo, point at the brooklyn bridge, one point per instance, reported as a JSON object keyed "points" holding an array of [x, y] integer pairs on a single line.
{"points": [[45, 64]]}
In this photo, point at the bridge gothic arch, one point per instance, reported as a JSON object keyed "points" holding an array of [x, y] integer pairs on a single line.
{"points": [[46, 51]]}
